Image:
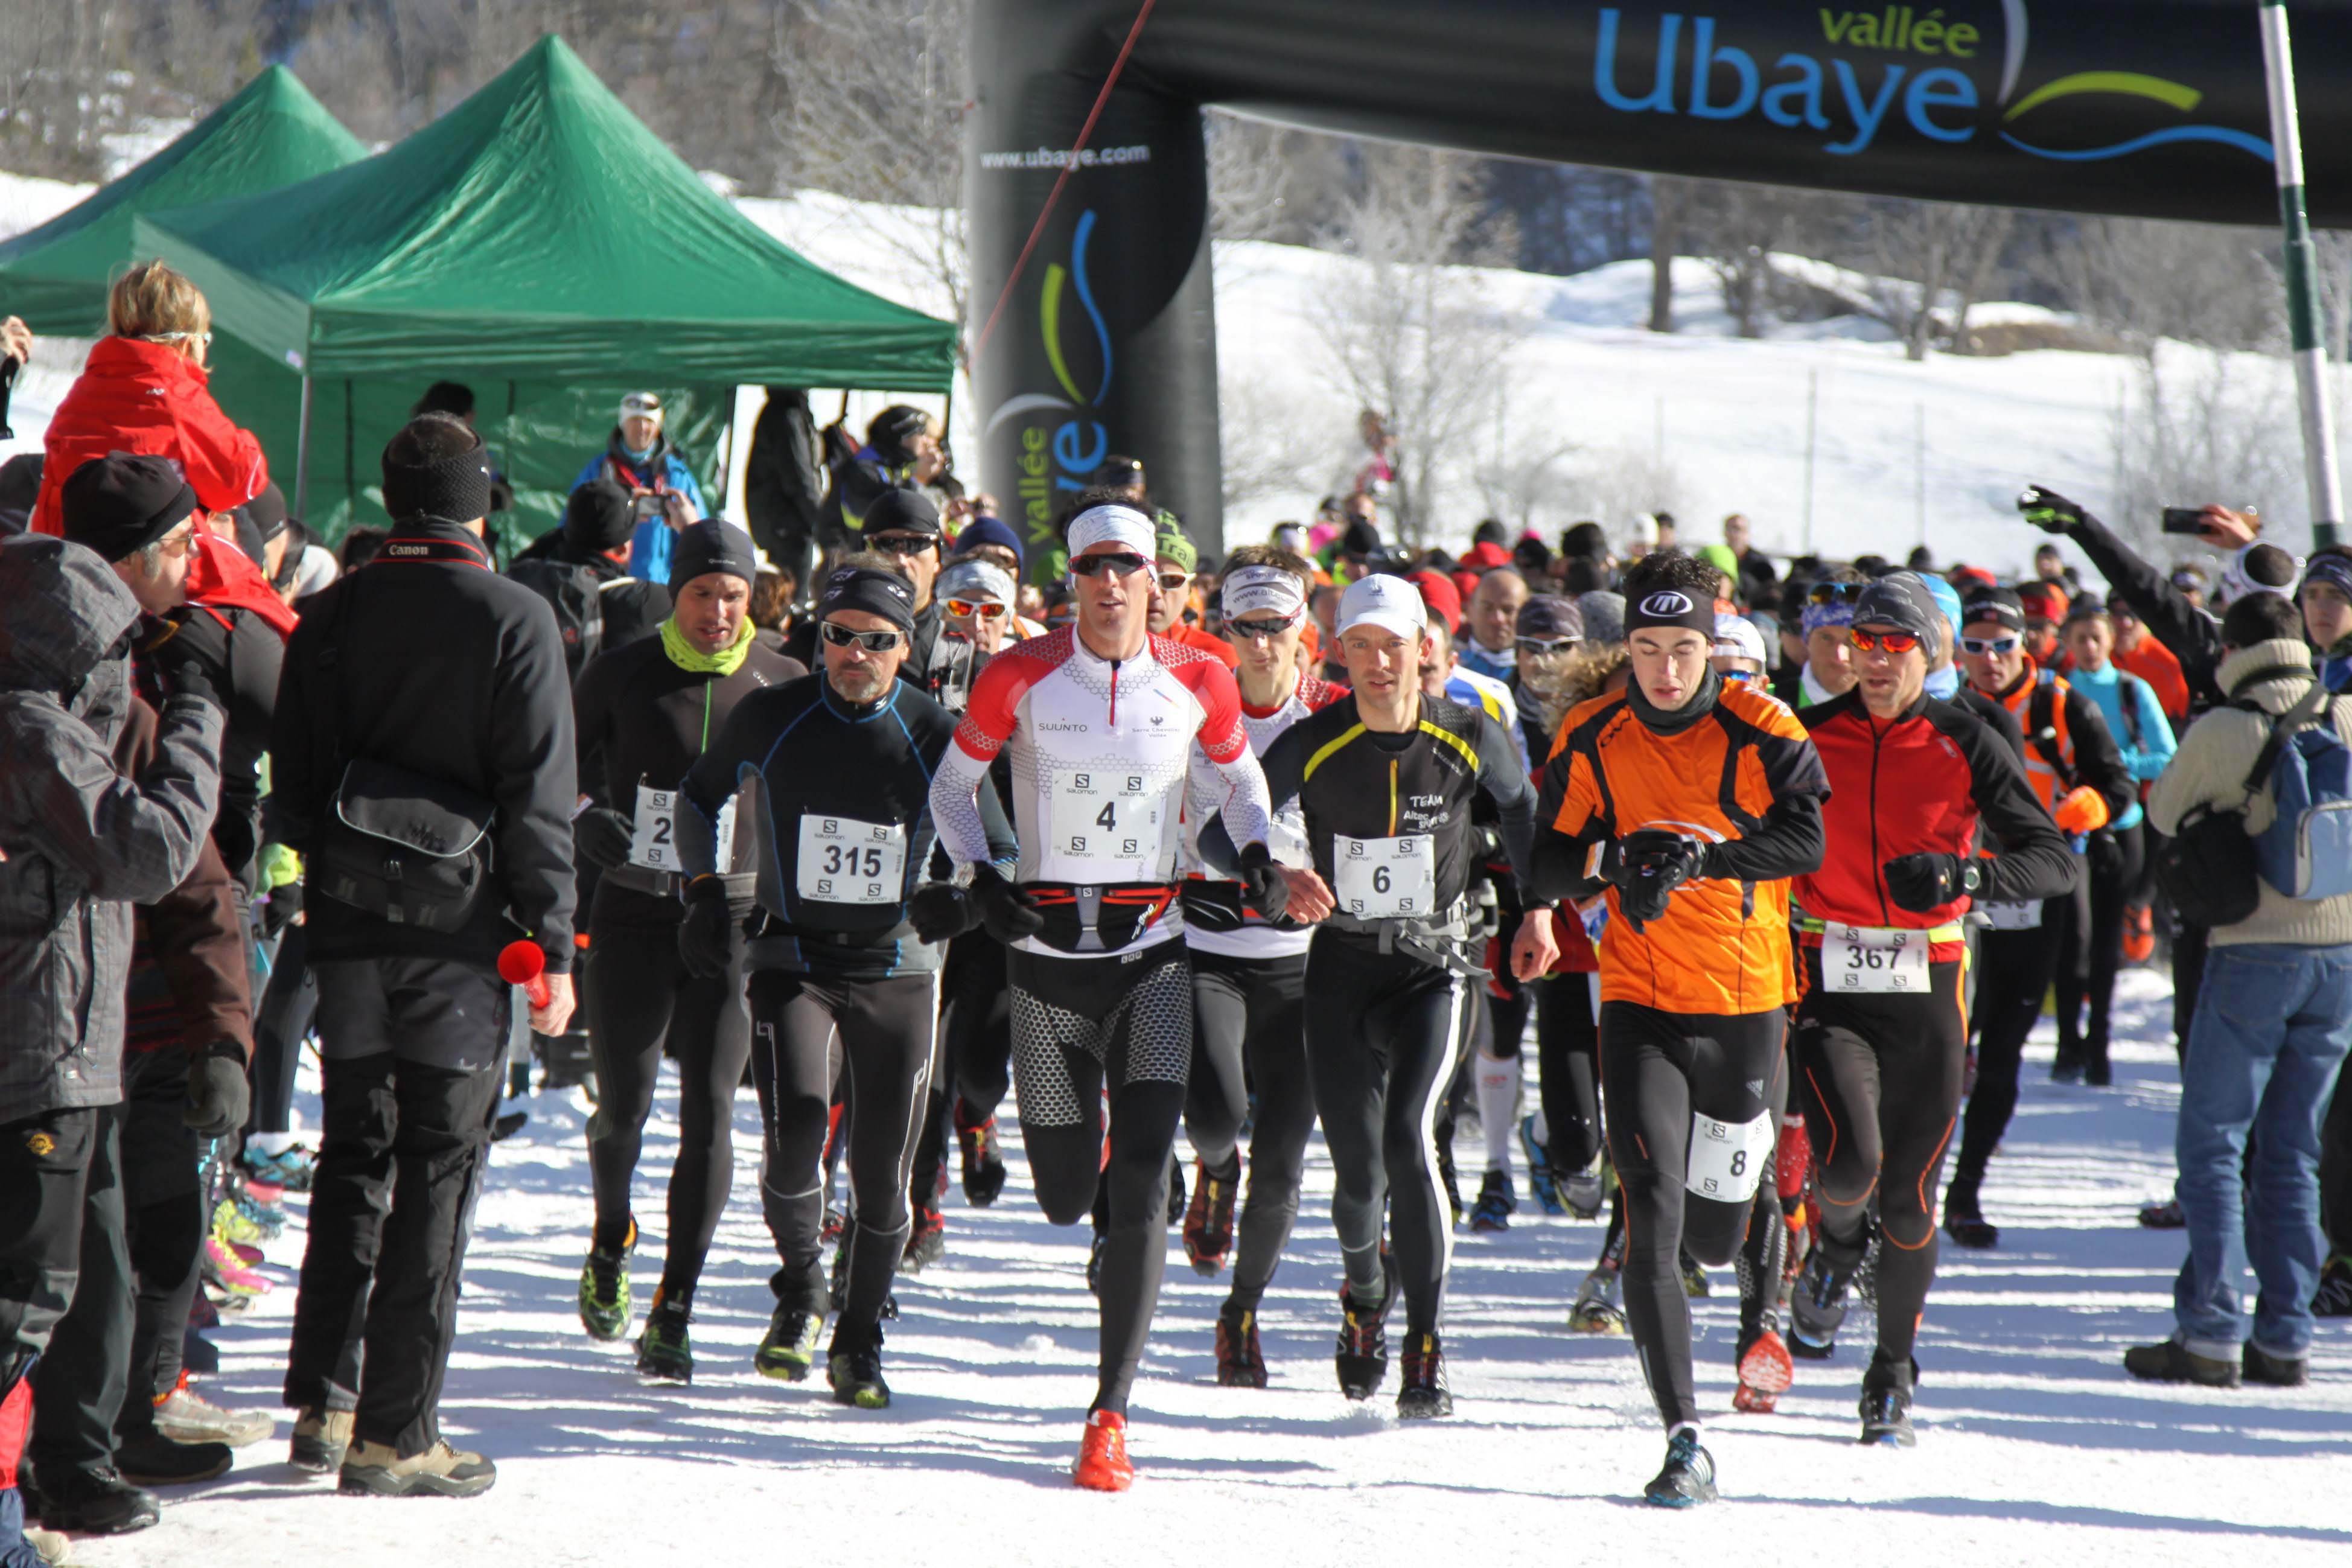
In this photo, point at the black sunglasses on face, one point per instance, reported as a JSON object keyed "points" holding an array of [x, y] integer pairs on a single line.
{"points": [[905, 543], [1118, 562]]}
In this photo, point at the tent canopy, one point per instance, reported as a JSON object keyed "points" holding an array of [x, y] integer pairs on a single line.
{"points": [[537, 232], [272, 133]]}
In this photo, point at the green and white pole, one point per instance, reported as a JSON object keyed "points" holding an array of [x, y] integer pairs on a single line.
{"points": [[2302, 272]]}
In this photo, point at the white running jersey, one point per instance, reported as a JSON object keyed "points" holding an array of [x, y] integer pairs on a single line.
{"points": [[1285, 834]]}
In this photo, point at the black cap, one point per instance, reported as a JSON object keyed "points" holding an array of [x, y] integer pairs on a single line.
{"points": [[120, 503], [599, 517], [1362, 538], [2000, 607], [901, 511], [714, 544], [1900, 600], [267, 511], [1549, 616]]}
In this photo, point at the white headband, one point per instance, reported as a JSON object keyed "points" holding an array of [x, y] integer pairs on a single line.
{"points": [[1268, 589], [1114, 525]]}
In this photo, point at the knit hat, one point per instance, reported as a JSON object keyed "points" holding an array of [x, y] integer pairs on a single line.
{"points": [[1901, 601], [1604, 616], [1547, 616], [876, 593], [714, 544], [1173, 546], [598, 517], [983, 530], [975, 580], [900, 511], [120, 503]]}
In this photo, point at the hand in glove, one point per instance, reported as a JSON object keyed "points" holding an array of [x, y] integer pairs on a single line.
{"points": [[942, 912], [1654, 862], [708, 940], [1009, 914], [218, 1097], [279, 909], [1922, 882], [604, 837], [2048, 510], [2081, 810], [187, 678], [1262, 886]]}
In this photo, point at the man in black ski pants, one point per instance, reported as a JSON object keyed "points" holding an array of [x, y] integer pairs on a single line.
{"points": [[1387, 780], [425, 680], [643, 712], [844, 764], [1100, 720]]}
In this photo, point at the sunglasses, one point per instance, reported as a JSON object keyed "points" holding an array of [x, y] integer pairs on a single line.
{"points": [[872, 642], [1251, 631], [1742, 675], [1835, 592], [1174, 582], [975, 609], [1543, 648], [904, 543], [1990, 645], [1893, 642], [1117, 563]]}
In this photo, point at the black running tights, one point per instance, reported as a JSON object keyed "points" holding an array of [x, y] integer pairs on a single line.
{"points": [[1249, 1018], [2014, 978]]}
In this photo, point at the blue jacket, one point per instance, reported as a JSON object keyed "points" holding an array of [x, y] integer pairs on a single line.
{"points": [[649, 546], [2144, 738]]}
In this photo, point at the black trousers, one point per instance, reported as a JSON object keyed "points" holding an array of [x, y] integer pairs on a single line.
{"points": [[164, 1204], [1082, 1026], [65, 1282], [974, 1064], [1658, 1070], [1249, 1023], [887, 1031], [281, 1020], [1882, 1073], [2014, 978], [640, 998], [412, 1063], [2114, 862], [1568, 1072], [1382, 1032]]}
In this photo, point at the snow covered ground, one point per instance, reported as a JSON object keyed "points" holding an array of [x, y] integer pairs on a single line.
{"points": [[2034, 1447]]}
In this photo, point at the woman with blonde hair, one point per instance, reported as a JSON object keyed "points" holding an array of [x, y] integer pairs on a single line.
{"points": [[144, 391]]}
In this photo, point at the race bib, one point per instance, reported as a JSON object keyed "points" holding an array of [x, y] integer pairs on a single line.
{"points": [[1858, 959], [1727, 1158], [2025, 916], [1106, 815], [845, 862], [653, 839], [1385, 879]]}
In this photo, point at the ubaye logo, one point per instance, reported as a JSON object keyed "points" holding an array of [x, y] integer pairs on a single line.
{"points": [[1934, 74], [1062, 438]]}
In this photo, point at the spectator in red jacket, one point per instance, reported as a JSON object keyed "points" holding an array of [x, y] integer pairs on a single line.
{"points": [[144, 392]]}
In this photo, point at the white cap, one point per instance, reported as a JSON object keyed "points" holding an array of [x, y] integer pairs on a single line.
{"points": [[1736, 636], [1390, 603], [647, 405], [975, 579]]}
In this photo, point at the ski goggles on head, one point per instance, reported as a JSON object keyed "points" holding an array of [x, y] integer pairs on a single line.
{"points": [[1835, 592], [974, 609], [1866, 641], [872, 642], [1981, 646]]}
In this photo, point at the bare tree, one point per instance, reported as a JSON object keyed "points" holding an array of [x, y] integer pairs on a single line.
{"points": [[2204, 426], [1615, 483], [1411, 334], [1269, 182], [2145, 281], [1929, 262], [1736, 226], [1669, 198]]}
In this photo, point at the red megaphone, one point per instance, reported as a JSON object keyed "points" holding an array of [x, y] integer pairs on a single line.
{"points": [[521, 963]]}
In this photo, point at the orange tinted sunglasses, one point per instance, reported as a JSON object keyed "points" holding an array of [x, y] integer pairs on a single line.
{"points": [[1893, 642]]}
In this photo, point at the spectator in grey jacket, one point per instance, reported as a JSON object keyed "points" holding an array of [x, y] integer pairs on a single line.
{"points": [[78, 844]]}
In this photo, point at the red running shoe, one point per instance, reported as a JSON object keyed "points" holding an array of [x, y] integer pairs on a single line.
{"points": [[2139, 935], [1766, 1372], [1103, 1464]]}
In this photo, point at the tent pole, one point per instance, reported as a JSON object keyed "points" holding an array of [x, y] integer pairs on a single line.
{"points": [[302, 455]]}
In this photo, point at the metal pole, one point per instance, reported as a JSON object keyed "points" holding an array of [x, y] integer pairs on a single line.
{"points": [[2302, 294], [1812, 402], [303, 456], [1919, 465]]}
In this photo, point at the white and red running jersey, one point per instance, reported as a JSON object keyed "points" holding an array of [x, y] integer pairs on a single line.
{"points": [[1099, 750], [1285, 836]]}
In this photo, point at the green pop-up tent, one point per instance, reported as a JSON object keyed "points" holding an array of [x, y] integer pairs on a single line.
{"points": [[539, 244]]}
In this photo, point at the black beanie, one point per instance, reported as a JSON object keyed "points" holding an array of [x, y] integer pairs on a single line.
{"points": [[714, 544], [877, 592], [900, 511], [1901, 601], [267, 511], [120, 503], [456, 488], [599, 518]]}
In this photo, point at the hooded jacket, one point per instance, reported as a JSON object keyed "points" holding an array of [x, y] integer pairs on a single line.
{"points": [[147, 398], [663, 469], [81, 842]]}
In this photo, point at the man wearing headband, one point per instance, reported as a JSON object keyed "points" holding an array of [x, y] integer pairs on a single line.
{"points": [[1688, 801], [1880, 1037], [643, 713], [829, 776], [1100, 720], [1386, 782], [440, 676], [1249, 981], [1826, 610]]}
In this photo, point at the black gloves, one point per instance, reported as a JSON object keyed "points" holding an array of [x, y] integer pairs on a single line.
{"points": [[1922, 882], [942, 912], [708, 940], [1262, 886], [279, 910], [603, 836], [2048, 510], [1646, 866], [1009, 914], [217, 1095], [187, 678]]}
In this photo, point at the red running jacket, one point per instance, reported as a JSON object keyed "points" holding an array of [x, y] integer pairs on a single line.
{"points": [[148, 399]]}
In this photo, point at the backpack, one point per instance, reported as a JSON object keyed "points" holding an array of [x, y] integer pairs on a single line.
{"points": [[2306, 853]]}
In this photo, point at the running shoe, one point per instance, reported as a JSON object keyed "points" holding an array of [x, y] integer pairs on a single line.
{"points": [[1362, 1357], [376, 1470], [927, 1239], [289, 1169], [2139, 934], [1209, 1218], [184, 1416], [2067, 1066], [1240, 1362], [1816, 1307], [1596, 1311], [855, 1373], [1765, 1373], [2165, 1216], [2334, 1296], [224, 1268], [1695, 1283], [790, 1348], [984, 1167], [1496, 1202], [241, 1219], [664, 1349], [1541, 1184], [1584, 1191], [1688, 1478], [152, 1459], [2172, 1361], [604, 1305], [1102, 1464], [1422, 1394], [1887, 1402], [1962, 1219]]}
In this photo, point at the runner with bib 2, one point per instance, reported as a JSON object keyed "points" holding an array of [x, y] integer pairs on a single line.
{"points": [[1689, 801], [1386, 780], [1881, 1038]]}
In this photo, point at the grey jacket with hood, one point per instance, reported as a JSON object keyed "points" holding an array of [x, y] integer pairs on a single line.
{"points": [[78, 842]]}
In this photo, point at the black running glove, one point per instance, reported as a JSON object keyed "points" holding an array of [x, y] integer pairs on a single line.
{"points": [[2048, 511], [1262, 886], [942, 912], [706, 941], [278, 908], [188, 680], [1922, 882], [1009, 914], [602, 836], [218, 1095], [1654, 862]]}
